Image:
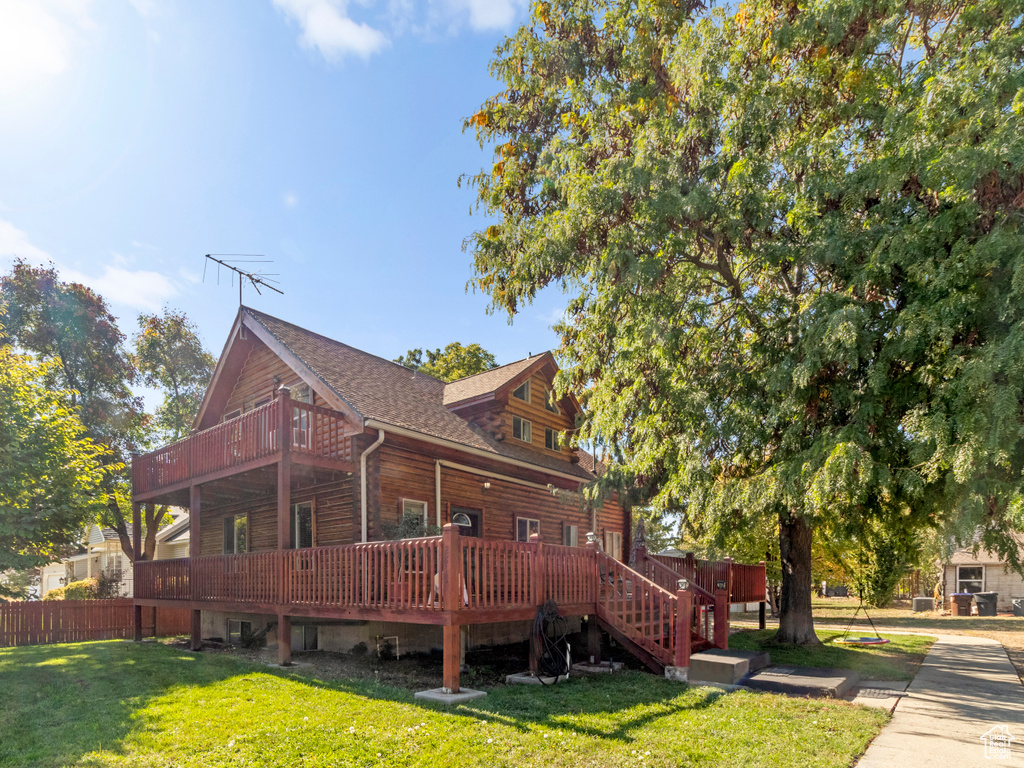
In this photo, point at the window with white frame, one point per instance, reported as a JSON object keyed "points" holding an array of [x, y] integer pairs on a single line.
{"points": [[571, 536], [522, 392], [970, 578], [549, 401], [522, 429], [302, 526], [526, 527], [613, 544], [236, 538], [417, 509], [551, 441]]}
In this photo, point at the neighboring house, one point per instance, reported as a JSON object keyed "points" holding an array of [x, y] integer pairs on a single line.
{"points": [[307, 451], [965, 571], [101, 553]]}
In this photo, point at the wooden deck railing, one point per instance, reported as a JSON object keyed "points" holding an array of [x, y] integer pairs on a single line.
{"points": [[256, 435], [391, 575], [639, 608], [743, 583]]}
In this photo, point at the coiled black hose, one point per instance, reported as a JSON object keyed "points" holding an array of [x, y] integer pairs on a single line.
{"points": [[552, 652]]}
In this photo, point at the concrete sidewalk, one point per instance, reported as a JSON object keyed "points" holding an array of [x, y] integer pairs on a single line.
{"points": [[965, 688]]}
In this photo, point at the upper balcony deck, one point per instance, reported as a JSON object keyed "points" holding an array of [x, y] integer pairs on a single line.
{"points": [[309, 434]]}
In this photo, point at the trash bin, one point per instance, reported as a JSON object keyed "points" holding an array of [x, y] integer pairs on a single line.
{"points": [[1018, 606], [960, 603], [986, 603]]}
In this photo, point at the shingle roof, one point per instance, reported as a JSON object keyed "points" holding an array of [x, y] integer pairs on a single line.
{"points": [[384, 391], [485, 382]]}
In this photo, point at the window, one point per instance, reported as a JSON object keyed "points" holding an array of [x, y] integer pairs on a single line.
{"points": [[526, 527], [239, 631], [302, 525], [417, 509], [613, 544], [549, 402], [571, 536], [233, 414], [236, 534], [460, 514], [302, 394], [522, 429], [522, 392], [551, 439], [970, 578]]}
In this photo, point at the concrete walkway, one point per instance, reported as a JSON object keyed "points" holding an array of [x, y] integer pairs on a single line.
{"points": [[965, 688]]}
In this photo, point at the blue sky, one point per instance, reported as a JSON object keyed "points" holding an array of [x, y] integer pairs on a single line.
{"points": [[138, 135]]}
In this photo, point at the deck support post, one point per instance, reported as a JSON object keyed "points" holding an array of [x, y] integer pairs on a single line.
{"points": [[721, 619], [137, 556], [593, 639], [761, 607], [284, 640], [196, 639], [194, 503], [451, 576], [684, 622], [284, 469], [761, 623]]}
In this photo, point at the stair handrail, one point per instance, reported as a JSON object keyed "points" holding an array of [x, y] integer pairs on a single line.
{"points": [[675, 576]]}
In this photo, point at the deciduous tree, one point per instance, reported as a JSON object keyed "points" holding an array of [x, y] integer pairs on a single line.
{"points": [[455, 361], [50, 470], [791, 235]]}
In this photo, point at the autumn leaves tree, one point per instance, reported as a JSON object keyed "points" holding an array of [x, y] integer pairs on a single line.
{"points": [[790, 235]]}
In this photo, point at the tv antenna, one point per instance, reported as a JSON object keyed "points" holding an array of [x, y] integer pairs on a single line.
{"points": [[256, 278]]}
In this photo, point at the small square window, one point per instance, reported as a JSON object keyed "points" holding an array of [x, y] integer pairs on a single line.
{"points": [[551, 439], [970, 578], [526, 527], [571, 536], [417, 509], [522, 429], [522, 392]]}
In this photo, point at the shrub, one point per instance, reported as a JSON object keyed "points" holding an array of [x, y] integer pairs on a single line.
{"points": [[85, 589]]}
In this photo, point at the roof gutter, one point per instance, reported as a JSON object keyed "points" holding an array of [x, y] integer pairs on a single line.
{"points": [[362, 480], [470, 450]]}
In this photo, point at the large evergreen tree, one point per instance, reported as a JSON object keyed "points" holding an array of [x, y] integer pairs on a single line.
{"points": [[791, 236]]}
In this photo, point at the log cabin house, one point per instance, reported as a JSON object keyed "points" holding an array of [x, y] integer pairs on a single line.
{"points": [[307, 456]]}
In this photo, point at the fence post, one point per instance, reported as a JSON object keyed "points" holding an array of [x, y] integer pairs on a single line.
{"points": [[451, 571], [721, 619], [593, 630], [540, 569]]}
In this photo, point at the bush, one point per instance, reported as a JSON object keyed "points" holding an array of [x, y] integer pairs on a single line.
{"points": [[86, 589]]}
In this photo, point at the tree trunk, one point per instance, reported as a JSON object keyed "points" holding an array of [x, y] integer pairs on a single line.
{"points": [[796, 624], [120, 526]]}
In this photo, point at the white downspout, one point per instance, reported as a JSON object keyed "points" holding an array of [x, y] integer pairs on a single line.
{"points": [[362, 479]]}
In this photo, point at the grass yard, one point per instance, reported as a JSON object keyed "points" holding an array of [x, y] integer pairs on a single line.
{"points": [[838, 611], [116, 703], [897, 660]]}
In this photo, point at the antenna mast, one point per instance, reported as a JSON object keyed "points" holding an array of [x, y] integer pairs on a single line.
{"points": [[256, 279]]}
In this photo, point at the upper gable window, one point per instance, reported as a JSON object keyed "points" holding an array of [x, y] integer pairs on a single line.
{"points": [[522, 392], [522, 429], [549, 402]]}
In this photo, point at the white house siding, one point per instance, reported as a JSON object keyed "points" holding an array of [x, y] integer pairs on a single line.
{"points": [[995, 576]]}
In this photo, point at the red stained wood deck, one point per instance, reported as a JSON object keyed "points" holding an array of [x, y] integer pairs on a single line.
{"points": [[454, 580], [314, 435]]}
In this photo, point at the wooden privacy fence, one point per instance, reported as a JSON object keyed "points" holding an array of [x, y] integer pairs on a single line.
{"points": [[743, 583], [71, 621]]}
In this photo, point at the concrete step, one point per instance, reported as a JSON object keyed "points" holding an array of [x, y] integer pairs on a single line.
{"points": [[725, 667], [818, 682]]}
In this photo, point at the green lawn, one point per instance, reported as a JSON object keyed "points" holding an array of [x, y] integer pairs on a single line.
{"points": [[120, 704], [897, 660]]}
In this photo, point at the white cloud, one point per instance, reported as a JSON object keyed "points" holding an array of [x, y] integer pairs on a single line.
{"points": [[290, 200], [327, 28], [146, 8], [37, 40], [139, 289], [14, 244], [488, 14]]}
